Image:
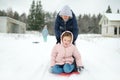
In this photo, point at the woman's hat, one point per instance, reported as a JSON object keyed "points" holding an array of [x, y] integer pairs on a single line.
{"points": [[66, 11]]}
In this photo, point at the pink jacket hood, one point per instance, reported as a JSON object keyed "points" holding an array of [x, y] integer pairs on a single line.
{"points": [[64, 33]]}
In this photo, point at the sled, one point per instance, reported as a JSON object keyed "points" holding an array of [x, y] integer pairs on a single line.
{"points": [[68, 74]]}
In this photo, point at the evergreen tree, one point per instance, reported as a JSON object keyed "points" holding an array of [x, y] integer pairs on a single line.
{"points": [[3, 13], [10, 12], [39, 16], [88, 24], [54, 15], [99, 16], [109, 10], [50, 21], [23, 18], [48, 17], [36, 16], [31, 17], [85, 23], [80, 23], [16, 15], [118, 11], [95, 28]]}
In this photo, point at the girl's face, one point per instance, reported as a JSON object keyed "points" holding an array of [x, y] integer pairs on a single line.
{"points": [[66, 41], [65, 18]]}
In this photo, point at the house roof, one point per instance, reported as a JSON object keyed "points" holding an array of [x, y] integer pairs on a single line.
{"points": [[115, 17], [12, 20], [110, 17]]}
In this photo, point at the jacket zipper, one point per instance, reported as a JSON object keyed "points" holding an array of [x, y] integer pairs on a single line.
{"points": [[65, 25], [65, 53]]}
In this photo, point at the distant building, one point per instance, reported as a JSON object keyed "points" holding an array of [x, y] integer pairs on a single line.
{"points": [[9, 25], [110, 25]]}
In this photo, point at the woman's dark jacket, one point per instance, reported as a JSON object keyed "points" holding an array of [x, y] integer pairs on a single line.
{"points": [[70, 25]]}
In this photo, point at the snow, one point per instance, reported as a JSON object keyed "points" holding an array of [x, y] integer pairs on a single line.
{"points": [[113, 16], [22, 59]]}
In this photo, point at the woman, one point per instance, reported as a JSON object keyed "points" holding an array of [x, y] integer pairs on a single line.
{"points": [[66, 21]]}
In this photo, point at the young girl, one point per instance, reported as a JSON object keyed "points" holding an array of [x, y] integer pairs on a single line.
{"points": [[63, 53]]}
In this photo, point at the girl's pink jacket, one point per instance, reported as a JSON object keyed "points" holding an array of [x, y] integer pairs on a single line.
{"points": [[61, 55]]}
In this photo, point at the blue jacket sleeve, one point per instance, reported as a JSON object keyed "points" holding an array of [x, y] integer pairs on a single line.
{"points": [[57, 30], [75, 28]]}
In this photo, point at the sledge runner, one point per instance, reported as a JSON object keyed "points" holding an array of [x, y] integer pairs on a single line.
{"points": [[62, 60]]}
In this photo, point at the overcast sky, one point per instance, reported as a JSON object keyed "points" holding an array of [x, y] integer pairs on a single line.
{"points": [[78, 6]]}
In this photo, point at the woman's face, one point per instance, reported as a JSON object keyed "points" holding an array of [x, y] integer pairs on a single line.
{"points": [[65, 18]]}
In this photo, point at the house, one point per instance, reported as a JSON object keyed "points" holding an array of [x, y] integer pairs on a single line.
{"points": [[9, 25], [110, 25]]}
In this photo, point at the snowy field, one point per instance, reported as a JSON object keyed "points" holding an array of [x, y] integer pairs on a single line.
{"points": [[22, 59]]}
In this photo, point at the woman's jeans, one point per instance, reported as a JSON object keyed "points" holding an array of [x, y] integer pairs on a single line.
{"points": [[66, 68]]}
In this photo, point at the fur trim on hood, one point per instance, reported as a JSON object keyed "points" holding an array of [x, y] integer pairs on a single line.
{"points": [[67, 32]]}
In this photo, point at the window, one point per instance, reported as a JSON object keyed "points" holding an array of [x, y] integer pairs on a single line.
{"points": [[107, 21], [106, 29], [115, 30], [119, 30], [104, 22]]}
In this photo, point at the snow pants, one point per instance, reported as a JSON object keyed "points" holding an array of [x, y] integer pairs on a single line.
{"points": [[45, 38], [66, 68]]}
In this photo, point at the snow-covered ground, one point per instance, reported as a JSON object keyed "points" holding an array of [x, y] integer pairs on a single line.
{"points": [[22, 59]]}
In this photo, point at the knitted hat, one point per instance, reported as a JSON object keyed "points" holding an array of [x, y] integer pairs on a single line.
{"points": [[66, 11]]}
